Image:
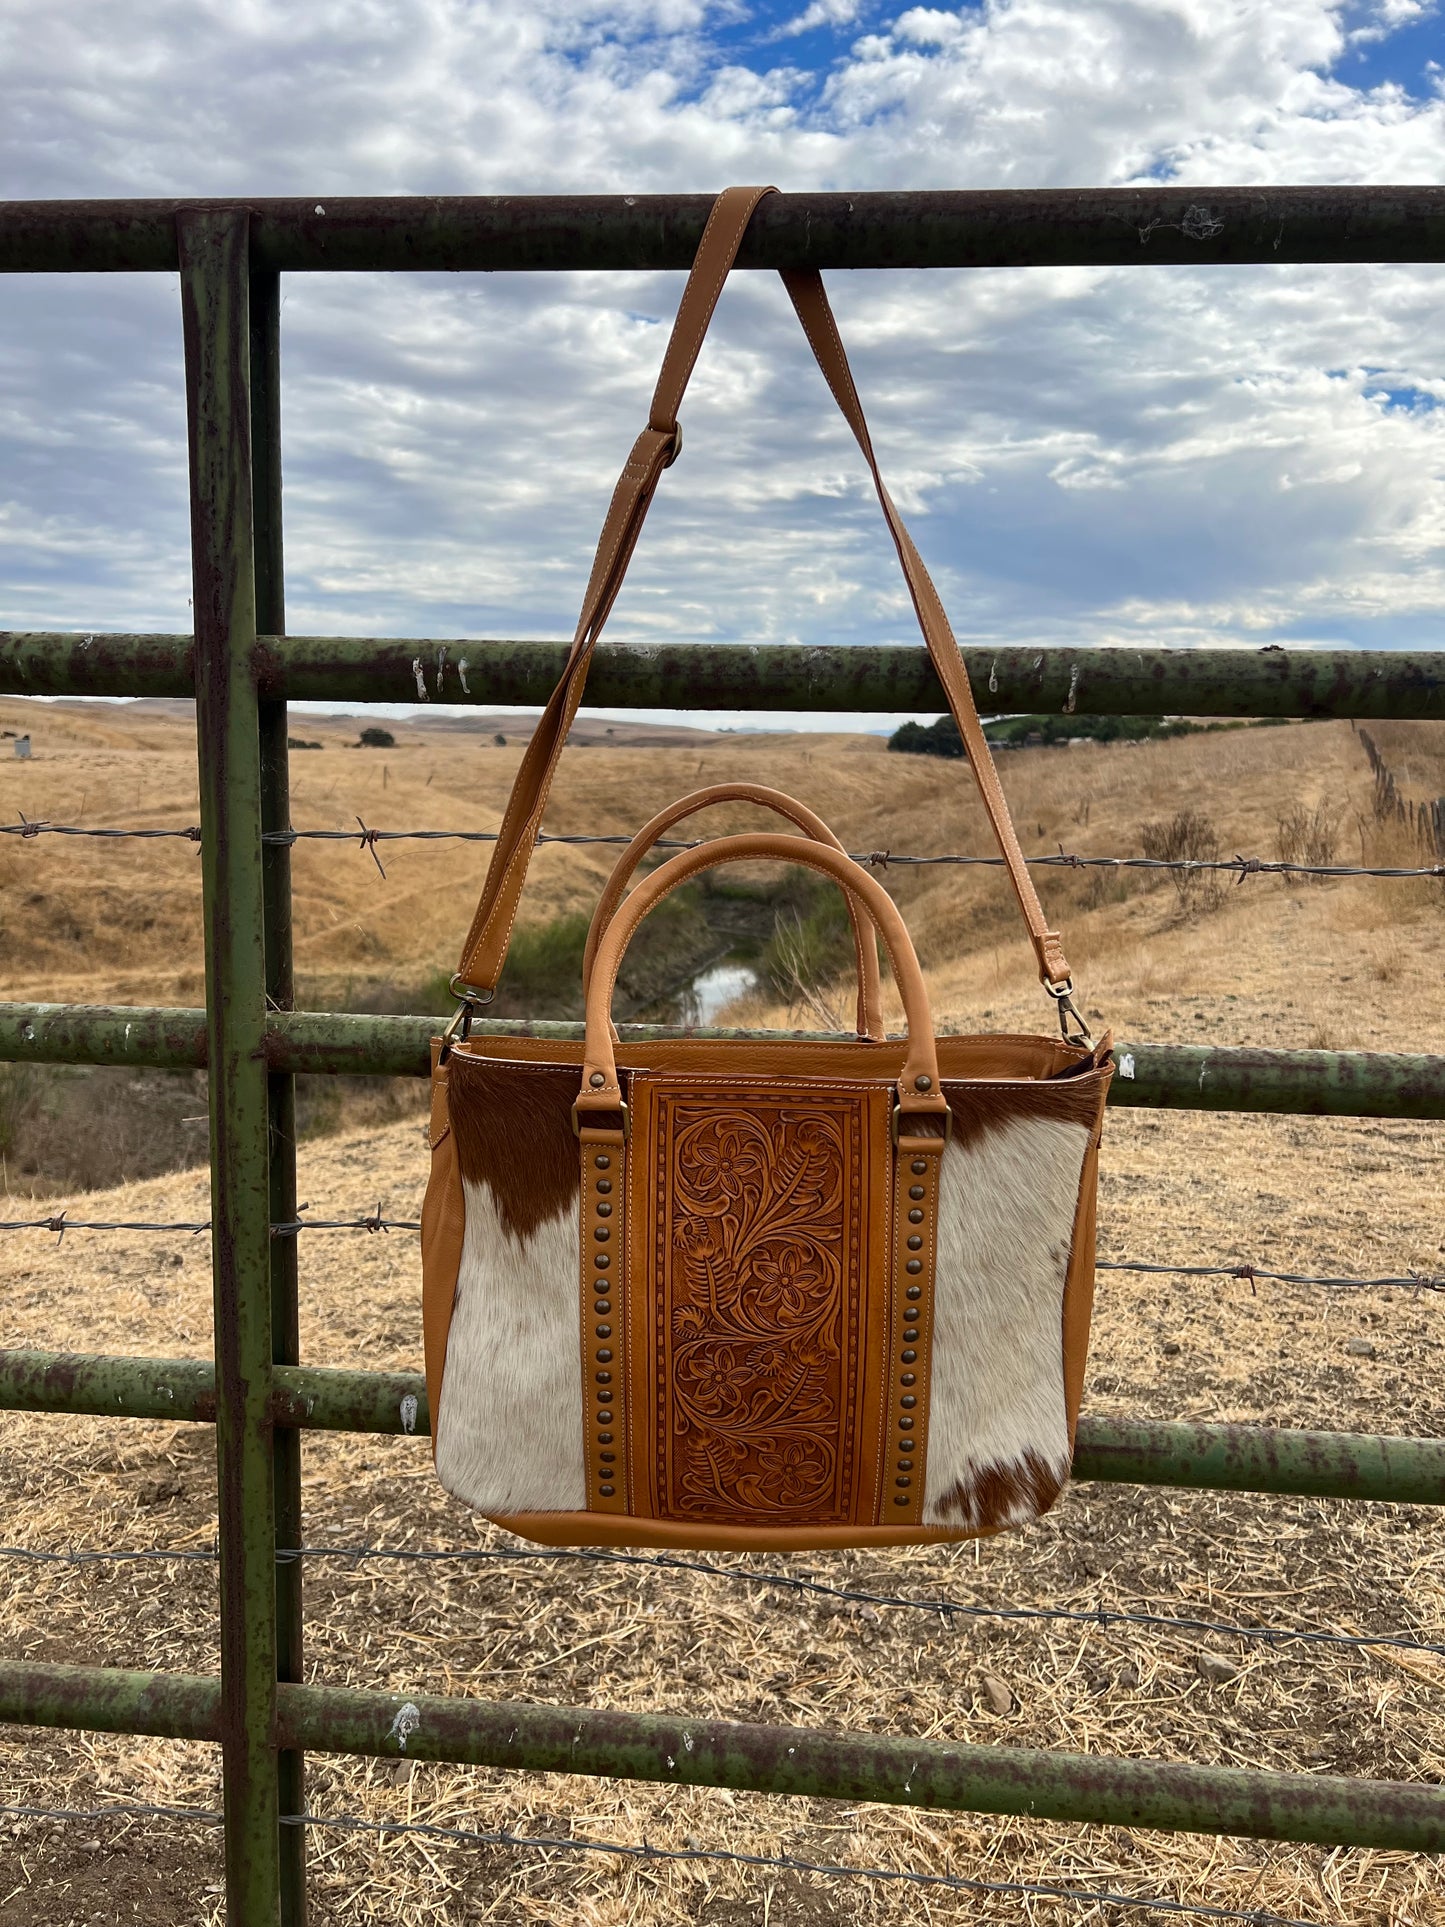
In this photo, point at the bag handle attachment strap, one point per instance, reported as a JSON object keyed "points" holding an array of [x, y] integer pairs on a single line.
{"points": [[870, 1000], [810, 302], [920, 1094], [655, 449]]}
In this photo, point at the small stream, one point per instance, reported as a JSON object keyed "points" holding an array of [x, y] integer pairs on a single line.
{"points": [[708, 994]]}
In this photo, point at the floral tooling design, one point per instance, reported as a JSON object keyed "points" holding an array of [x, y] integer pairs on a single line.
{"points": [[759, 1266]]}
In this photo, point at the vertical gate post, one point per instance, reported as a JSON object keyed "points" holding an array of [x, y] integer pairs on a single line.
{"points": [[265, 322], [216, 324]]}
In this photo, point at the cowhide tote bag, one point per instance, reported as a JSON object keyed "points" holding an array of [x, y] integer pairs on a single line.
{"points": [[768, 1293]]}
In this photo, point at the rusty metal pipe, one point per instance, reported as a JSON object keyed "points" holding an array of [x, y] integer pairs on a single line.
{"points": [[1058, 678], [1110, 226]]}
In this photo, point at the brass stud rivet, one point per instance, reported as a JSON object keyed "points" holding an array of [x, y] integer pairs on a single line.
{"points": [[915, 1291], [905, 1465], [604, 1438], [905, 1480], [915, 1216], [908, 1401], [901, 1499], [911, 1338], [604, 1331], [604, 1378], [915, 1190], [604, 1184], [597, 1080], [908, 1356], [923, 1083], [904, 1424], [909, 1378], [607, 1491], [607, 1458], [915, 1243], [602, 1261], [604, 1418], [604, 1357], [602, 1306], [915, 1264], [604, 1163], [604, 1210], [601, 1234], [918, 1167]]}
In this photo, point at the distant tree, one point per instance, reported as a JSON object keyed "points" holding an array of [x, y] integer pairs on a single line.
{"points": [[299, 742], [937, 739], [500, 740], [374, 738]]}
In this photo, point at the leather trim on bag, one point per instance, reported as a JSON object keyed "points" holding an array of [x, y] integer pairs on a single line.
{"points": [[443, 1226], [602, 1307]]}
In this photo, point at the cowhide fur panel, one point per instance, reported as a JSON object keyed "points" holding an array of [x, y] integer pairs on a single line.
{"points": [[509, 1429], [998, 1444]]}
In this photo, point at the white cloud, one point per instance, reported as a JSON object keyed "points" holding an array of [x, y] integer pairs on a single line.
{"points": [[1154, 453]]}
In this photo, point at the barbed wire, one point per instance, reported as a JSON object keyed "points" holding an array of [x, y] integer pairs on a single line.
{"points": [[943, 1609], [60, 1222], [1411, 1280], [646, 1851], [367, 839]]}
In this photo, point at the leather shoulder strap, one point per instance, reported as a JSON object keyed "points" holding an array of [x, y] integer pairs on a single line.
{"points": [[655, 449]]}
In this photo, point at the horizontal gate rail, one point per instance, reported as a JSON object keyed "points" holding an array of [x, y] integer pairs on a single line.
{"points": [[1232, 1458], [678, 1751], [1368, 683], [1124, 226], [1196, 1077]]}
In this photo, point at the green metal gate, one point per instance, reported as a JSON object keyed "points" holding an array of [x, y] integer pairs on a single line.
{"points": [[242, 671]]}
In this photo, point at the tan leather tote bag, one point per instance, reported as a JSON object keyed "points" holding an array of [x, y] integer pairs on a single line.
{"points": [[780, 1294]]}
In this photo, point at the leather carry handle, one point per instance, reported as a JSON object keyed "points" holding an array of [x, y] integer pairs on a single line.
{"points": [[870, 999], [655, 449], [919, 1091]]}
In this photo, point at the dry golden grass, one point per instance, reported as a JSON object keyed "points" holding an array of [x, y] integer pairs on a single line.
{"points": [[1346, 964]]}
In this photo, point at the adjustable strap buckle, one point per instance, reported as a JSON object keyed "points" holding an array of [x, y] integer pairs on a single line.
{"points": [[1063, 996]]}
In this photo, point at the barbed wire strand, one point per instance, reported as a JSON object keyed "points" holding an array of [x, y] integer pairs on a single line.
{"points": [[60, 1222], [939, 1608], [646, 1851], [366, 839]]}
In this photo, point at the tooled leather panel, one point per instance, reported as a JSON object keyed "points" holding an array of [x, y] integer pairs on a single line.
{"points": [[513, 1128], [756, 1294]]}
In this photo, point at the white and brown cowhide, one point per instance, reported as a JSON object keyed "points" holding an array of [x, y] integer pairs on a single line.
{"points": [[998, 1440], [509, 1428]]}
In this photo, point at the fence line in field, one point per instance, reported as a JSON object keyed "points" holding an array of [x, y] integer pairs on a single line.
{"points": [[943, 1609], [646, 1851], [366, 838], [60, 1222]]}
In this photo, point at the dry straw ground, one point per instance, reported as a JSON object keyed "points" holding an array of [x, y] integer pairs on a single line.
{"points": [[1347, 964]]}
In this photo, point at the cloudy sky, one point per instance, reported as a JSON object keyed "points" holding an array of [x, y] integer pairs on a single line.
{"points": [[1165, 454]]}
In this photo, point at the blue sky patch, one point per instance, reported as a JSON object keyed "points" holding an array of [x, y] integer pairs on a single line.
{"points": [[1411, 57]]}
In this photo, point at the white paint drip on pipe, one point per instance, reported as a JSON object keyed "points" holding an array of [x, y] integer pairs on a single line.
{"points": [[408, 1719]]}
